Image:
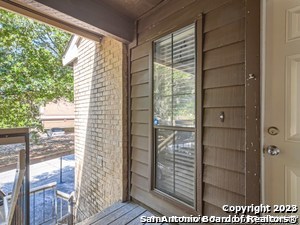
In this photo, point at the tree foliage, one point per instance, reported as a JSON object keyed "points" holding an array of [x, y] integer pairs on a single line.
{"points": [[174, 95], [31, 70]]}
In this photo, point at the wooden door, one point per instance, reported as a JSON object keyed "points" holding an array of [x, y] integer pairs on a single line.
{"points": [[282, 103]]}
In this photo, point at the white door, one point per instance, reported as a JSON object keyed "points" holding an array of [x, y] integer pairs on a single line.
{"points": [[282, 102]]}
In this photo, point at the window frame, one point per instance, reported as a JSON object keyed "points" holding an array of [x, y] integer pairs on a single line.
{"points": [[198, 195]]}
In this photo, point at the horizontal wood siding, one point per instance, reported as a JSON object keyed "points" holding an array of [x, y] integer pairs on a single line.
{"points": [[140, 64], [140, 129], [225, 97], [140, 168], [235, 117], [140, 181], [140, 78], [140, 155], [224, 56], [218, 197], [225, 76], [140, 114], [224, 158], [223, 92]]}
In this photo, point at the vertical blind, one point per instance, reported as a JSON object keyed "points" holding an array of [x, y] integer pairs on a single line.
{"points": [[174, 114]]}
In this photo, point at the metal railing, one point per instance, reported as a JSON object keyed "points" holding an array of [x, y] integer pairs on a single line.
{"points": [[43, 204], [48, 206], [14, 204], [18, 209], [60, 209], [68, 216]]}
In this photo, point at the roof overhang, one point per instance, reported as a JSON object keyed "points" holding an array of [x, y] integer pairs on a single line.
{"points": [[87, 32], [90, 19]]}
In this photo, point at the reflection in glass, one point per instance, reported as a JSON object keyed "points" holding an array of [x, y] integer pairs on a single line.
{"points": [[184, 110], [174, 106], [163, 110], [174, 78], [163, 50], [163, 80], [175, 164]]}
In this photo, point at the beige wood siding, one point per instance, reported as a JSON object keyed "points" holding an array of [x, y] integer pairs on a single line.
{"points": [[223, 81]]}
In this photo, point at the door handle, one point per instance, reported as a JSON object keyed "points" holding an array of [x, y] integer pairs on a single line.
{"points": [[273, 150]]}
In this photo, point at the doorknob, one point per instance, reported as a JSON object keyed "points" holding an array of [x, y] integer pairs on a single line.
{"points": [[273, 150]]}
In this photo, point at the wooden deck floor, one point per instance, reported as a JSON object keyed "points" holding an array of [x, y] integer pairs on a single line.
{"points": [[127, 213]]}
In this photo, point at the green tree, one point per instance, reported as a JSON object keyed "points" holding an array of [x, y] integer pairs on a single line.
{"points": [[31, 70]]}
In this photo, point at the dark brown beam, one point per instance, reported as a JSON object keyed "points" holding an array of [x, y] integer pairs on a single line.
{"points": [[29, 12], [98, 14], [252, 80]]}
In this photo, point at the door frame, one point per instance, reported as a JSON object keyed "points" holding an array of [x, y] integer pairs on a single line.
{"points": [[263, 25]]}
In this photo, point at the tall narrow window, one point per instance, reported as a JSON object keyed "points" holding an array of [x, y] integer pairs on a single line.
{"points": [[174, 114]]}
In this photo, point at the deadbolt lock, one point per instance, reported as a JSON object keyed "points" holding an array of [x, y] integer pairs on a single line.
{"points": [[273, 130]]}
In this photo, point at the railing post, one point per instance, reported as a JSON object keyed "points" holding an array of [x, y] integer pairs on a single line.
{"points": [[27, 181], [12, 212], [55, 204], [33, 204], [71, 209], [60, 172]]}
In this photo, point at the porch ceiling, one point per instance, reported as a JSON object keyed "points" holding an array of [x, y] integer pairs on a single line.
{"points": [[89, 18], [132, 8]]}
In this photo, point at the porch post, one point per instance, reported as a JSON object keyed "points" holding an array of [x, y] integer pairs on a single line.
{"points": [[252, 92]]}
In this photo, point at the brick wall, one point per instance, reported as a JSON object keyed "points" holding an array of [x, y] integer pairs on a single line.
{"points": [[100, 125]]}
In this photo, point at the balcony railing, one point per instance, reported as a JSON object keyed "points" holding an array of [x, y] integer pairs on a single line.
{"points": [[48, 206], [16, 207], [43, 204], [62, 200], [31, 207]]}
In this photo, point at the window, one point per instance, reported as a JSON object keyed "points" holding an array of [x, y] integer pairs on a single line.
{"points": [[174, 110]]}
